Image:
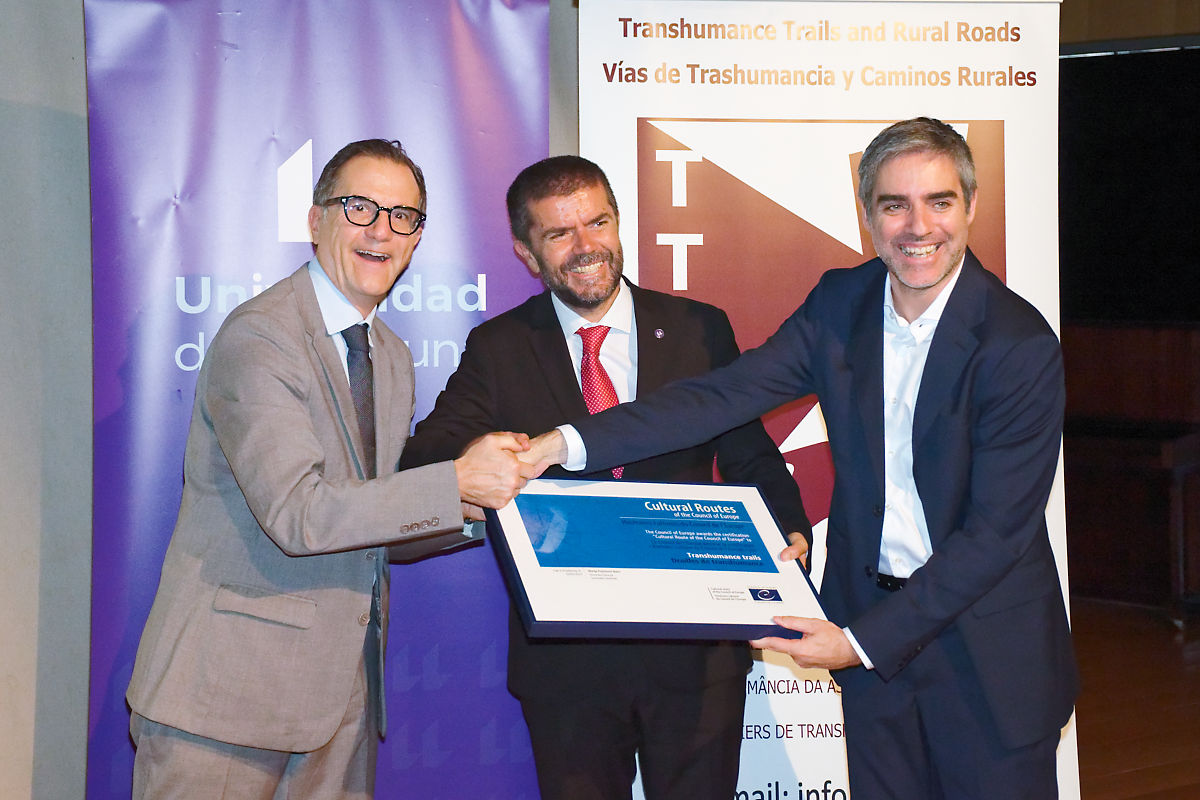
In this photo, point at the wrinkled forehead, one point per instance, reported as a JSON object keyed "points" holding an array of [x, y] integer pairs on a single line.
{"points": [[571, 190], [584, 202]]}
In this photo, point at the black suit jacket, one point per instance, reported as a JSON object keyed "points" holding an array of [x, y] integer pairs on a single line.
{"points": [[986, 433], [516, 374]]}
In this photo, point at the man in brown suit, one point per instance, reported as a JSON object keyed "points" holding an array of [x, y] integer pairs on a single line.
{"points": [[259, 671]]}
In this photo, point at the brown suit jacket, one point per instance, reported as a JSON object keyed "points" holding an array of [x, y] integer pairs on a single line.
{"points": [[258, 626]]}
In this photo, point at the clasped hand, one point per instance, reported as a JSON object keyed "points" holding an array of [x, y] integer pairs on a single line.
{"points": [[490, 473]]}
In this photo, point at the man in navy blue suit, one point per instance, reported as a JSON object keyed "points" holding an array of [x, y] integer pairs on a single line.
{"points": [[942, 392]]}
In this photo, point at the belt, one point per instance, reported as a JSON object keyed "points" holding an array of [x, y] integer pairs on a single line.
{"points": [[889, 582]]}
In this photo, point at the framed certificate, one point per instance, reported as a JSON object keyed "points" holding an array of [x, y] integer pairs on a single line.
{"points": [[622, 559]]}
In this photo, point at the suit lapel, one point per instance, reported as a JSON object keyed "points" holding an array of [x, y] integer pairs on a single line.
{"points": [[953, 344], [864, 355], [388, 354], [654, 368], [326, 355], [554, 360]]}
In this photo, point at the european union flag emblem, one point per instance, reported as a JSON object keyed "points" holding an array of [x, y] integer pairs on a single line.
{"points": [[768, 595]]}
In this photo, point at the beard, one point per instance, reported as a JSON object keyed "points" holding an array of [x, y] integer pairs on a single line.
{"points": [[894, 266], [558, 279]]}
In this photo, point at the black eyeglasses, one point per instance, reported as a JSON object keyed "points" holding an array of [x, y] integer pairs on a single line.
{"points": [[362, 211]]}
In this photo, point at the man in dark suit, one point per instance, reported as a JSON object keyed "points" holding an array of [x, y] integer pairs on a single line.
{"points": [[942, 392], [258, 674], [590, 706]]}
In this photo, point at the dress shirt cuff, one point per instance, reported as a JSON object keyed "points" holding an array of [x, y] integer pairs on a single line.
{"points": [[862, 654], [576, 450]]}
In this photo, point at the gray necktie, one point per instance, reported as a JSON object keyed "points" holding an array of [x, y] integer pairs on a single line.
{"points": [[362, 391], [358, 359]]}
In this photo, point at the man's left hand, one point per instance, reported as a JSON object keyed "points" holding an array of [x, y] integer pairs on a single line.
{"points": [[824, 644], [797, 550]]}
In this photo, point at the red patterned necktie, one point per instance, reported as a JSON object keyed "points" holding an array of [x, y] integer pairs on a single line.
{"points": [[598, 391]]}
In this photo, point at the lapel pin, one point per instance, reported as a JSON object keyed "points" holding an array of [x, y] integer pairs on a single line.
{"points": [[658, 333]]}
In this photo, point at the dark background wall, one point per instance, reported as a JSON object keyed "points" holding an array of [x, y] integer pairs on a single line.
{"points": [[1129, 157], [1129, 164]]}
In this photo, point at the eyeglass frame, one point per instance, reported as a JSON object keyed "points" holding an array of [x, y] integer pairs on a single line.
{"points": [[421, 216]]}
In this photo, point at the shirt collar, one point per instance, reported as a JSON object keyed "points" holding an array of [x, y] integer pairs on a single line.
{"points": [[619, 315], [337, 312], [929, 317]]}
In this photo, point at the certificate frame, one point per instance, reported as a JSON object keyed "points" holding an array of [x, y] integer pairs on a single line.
{"points": [[643, 560]]}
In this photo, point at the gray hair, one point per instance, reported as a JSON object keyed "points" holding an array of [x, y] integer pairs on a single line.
{"points": [[375, 148], [919, 135]]}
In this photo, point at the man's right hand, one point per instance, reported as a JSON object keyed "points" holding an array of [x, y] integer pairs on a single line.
{"points": [[489, 472], [545, 451]]}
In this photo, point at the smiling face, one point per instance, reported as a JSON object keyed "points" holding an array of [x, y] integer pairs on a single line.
{"points": [[574, 247], [918, 219], [364, 263]]}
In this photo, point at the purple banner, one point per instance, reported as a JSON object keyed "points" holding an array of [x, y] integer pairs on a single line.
{"points": [[208, 124]]}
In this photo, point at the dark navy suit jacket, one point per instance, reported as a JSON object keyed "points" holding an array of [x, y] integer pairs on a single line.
{"points": [[986, 434]]}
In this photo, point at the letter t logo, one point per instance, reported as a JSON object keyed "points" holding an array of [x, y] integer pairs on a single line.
{"points": [[679, 160]]}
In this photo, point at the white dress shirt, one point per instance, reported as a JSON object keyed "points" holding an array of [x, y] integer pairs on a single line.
{"points": [[618, 356], [905, 545], [618, 352], [337, 312]]}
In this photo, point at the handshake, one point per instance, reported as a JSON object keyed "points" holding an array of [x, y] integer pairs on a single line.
{"points": [[494, 468]]}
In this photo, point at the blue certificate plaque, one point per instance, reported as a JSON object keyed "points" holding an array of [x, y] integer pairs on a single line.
{"points": [[621, 559]]}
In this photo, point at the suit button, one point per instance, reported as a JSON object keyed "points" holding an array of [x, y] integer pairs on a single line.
{"points": [[877, 511], [370, 555], [870, 572], [364, 618]]}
